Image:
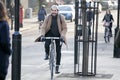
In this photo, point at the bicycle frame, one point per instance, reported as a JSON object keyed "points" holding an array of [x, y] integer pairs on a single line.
{"points": [[106, 35]]}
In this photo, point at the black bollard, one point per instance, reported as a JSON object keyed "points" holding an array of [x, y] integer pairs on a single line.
{"points": [[116, 49], [16, 56], [16, 47]]}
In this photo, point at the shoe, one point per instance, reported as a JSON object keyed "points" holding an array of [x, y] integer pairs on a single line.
{"points": [[46, 57], [57, 70]]}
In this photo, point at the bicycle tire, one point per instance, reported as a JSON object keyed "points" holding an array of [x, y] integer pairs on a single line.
{"points": [[51, 61], [51, 67]]}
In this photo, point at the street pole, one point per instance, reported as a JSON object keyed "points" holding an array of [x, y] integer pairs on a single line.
{"points": [[75, 39], [12, 13], [117, 50], [85, 40], [16, 46]]}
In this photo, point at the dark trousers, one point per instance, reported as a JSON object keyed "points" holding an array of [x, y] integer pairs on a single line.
{"points": [[58, 50], [89, 27], [4, 63], [110, 28]]}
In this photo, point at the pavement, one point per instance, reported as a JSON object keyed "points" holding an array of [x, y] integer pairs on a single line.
{"points": [[108, 67]]}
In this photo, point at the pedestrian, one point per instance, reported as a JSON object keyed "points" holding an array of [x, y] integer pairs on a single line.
{"points": [[108, 17], [42, 13], [89, 21], [54, 26], [5, 50]]}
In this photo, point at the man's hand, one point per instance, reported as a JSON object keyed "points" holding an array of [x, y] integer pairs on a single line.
{"points": [[42, 38], [62, 39]]}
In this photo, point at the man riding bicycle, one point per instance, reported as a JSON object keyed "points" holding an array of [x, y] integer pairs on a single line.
{"points": [[54, 26]]}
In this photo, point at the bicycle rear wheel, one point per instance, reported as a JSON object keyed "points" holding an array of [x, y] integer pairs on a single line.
{"points": [[107, 36]]}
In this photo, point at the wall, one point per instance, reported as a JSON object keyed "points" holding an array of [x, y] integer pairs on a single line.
{"points": [[24, 3]]}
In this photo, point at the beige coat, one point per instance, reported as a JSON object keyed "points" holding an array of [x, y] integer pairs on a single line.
{"points": [[62, 26]]}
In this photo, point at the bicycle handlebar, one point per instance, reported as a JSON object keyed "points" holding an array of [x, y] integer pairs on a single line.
{"points": [[52, 38]]}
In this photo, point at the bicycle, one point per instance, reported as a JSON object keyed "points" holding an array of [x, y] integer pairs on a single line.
{"points": [[107, 34], [52, 54], [40, 24]]}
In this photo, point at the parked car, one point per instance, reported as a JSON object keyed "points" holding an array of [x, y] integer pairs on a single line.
{"points": [[115, 4], [107, 5], [68, 11]]}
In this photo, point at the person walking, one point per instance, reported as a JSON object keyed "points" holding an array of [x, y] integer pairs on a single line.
{"points": [[54, 26], [89, 21], [108, 17], [5, 50], [42, 13]]}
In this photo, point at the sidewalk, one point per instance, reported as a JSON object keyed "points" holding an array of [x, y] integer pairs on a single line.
{"points": [[28, 23], [107, 66]]}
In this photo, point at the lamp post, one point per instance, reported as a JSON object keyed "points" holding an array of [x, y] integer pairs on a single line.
{"points": [[12, 5], [16, 46], [117, 50]]}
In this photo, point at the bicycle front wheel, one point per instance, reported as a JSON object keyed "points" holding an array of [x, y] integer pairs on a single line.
{"points": [[107, 36], [52, 62], [52, 71]]}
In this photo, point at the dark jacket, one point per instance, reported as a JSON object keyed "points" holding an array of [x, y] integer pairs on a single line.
{"points": [[5, 50], [41, 14], [89, 15], [108, 17], [62, 26]]}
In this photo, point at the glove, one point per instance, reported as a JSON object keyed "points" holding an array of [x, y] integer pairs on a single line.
{"points": [[42, 38], [62, 39]]}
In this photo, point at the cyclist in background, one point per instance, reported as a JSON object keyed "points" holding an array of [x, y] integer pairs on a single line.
{"points": [[108, 17], [54, 25], [42, 13]]}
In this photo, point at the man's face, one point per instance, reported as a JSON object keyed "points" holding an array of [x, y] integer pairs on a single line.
{"points": [[54, 12]]}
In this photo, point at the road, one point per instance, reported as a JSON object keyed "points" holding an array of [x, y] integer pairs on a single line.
{"points": [[34, 66]]}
